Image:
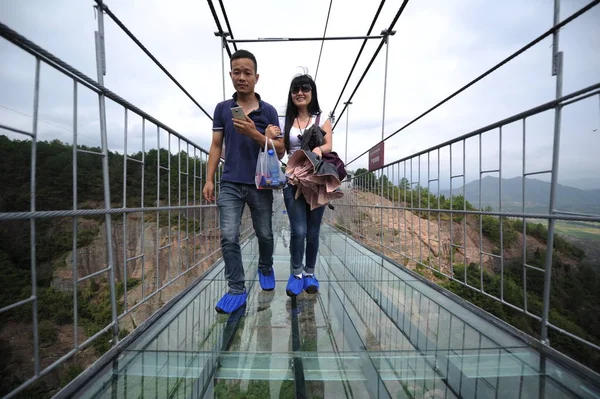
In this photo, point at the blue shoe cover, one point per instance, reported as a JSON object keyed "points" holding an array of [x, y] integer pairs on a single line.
{"points": [[231, 302], [294, 286], [311, 284], [267, 280]]}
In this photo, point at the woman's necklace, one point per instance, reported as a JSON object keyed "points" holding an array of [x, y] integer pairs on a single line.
{"points": [[300, 127], [302, 130]]}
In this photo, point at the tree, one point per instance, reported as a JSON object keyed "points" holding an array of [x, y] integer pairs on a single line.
{"points": [[365, 180], [404, 184]]}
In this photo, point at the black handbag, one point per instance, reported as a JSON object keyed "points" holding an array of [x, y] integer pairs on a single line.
{"points": [[314, 137]]}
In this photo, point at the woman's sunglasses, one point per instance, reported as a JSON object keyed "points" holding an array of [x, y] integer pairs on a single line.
{"points": [[304, 87]]}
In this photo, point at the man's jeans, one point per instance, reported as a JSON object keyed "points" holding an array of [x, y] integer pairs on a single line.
{"points": [[305, 225], [231, 201]]}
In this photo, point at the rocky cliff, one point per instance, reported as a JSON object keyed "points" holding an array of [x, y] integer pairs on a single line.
{"points": [[147, 257], [426, 237]]}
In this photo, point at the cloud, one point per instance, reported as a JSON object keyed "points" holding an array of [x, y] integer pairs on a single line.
{"points": [[438, 47]]}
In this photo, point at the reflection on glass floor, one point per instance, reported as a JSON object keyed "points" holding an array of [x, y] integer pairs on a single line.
{"points": [[372, 331]]}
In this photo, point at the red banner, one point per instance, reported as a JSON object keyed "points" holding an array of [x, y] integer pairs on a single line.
{"points": [[376, 157]]}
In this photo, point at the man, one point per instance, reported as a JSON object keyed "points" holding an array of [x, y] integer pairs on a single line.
{"points": [[243, 140]]}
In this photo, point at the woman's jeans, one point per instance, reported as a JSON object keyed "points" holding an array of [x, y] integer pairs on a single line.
{"points": [[231, 201], [305, 225]]}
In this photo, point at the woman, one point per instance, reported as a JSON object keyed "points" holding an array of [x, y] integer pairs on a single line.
{"points": [[301, 113]]}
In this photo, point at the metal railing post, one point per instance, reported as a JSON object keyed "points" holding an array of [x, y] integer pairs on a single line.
{"points": [[347, 104], [101, 70], [386, 35], [557, 70], [32, 221], [74, 258], [223, 37]]}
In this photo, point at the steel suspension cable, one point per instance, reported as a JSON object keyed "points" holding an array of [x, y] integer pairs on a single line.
{"points": [[219, 27], [104, 7], [359, 54], [391, 27], [323, 42], [227, 23], [492, 69]]}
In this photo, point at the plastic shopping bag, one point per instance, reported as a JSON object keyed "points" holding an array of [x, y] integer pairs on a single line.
{"points": [[268, 169]]}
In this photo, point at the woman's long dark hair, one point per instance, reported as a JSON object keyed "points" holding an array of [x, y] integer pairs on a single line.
{"points": [[291, 111]]}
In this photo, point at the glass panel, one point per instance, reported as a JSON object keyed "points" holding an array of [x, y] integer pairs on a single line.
{"points": [[373, 330]]}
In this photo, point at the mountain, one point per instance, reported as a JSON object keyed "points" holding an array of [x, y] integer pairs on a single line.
{"points": [[537, 195], [584, 183]]}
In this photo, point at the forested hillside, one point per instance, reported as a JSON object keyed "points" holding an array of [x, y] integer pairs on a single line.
{"points": [[54, 246], [575, 279]]}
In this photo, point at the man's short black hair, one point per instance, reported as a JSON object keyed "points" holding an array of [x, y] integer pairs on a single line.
{"points": [[244, 54]]}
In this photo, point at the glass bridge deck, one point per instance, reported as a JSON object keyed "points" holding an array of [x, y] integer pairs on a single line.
{"points": [[373, 330]]}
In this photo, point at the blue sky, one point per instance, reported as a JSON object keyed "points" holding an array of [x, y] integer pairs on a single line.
{"points": [[439, 46]]}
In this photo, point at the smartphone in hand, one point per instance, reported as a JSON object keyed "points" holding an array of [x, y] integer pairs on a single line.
{"points": [[238, 113]]}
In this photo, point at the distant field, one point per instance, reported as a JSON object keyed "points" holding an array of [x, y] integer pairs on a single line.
{"points": [[583, 230]]}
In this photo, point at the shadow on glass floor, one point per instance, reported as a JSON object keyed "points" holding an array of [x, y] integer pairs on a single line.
{"points": [[373, 330]]}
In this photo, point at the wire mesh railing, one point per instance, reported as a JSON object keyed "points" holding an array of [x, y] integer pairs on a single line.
{"points": [[478, 217], [424, 226], [152, 234], [95, 238]]}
